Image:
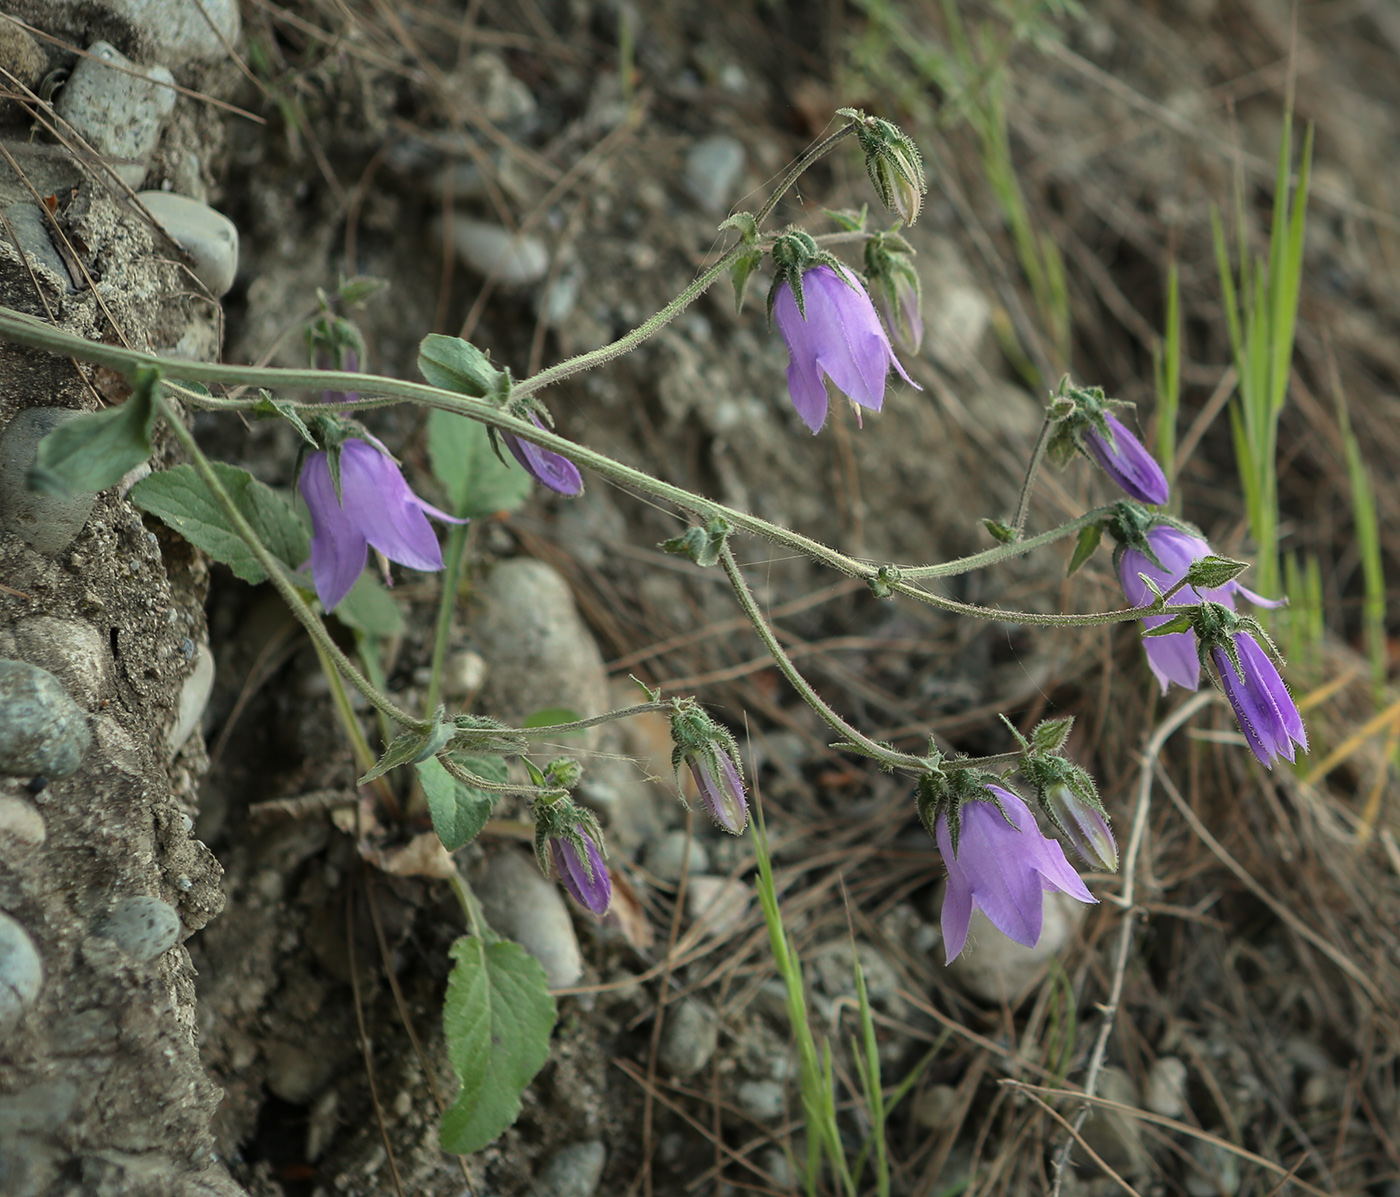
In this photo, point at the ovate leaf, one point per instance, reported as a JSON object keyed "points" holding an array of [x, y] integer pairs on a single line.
{"points": [[93, 451], [478, 482], [456, 365], [497, 1019], [180, 498], [459, 811]]}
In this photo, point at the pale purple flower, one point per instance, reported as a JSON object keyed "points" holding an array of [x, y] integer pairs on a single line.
{"points": [[841, 338], [350, 363], [548, 469], [585, 877], [1002, 869], [1174, 657], [1267, 713], [1127, 462], [375, 508], [723, 796]]}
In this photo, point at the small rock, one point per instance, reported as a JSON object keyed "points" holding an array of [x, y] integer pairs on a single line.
{"points": [[209, 237], [521, 905], [21, 973], [935, 1106], [775, 1162], [1165, 1090], [21, 826], [666, 856], [1217, 1171], [573, 1171], [722, 902], [463, 674], [761, 1099], [712, 168], [1115, 1137], [182, 31], [142, 927], [47, 524], [43, 732], [995, 969], [539, 651], [322, 1123], [31, 234], [488, 82], [513, 259], [72, 650], [21, 55], [689, 1038], [118, 113], [294, 1073], [194, 697], [832, 963]]}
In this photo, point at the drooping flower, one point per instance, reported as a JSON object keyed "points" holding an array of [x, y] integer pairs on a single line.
{"points": [[721, 789], [548, 469], [584, 874], [1175, 656], [375, 507], [840, 337], [1084, 825], [1122, 457], [1004, 866], [1267, 713]]}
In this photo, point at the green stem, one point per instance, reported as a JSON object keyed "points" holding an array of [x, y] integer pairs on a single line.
{"points": [[451, 572], [1007, 552], [1037, 455], [274, 570], [470, 907], [553, 729]]}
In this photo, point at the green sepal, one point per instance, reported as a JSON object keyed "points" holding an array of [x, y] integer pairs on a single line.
{"points": [[744, 224], [1210, 572], [1050, 735], [744, 265], [1001, 531], [1177, 623], [410, 747], [701, 545], [1084, 547], [882, 584], [269, 408]]}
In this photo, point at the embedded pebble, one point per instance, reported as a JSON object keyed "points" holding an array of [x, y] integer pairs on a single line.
{"points": [[21, 55], [143, 927], [21, 826], [666, 856], [118, 113], [209, 237], [294, 1073], [513, 259], [722, 902], [712, 168], [182, 30], [994, 968], [31, 234], [935, 1107], [761, 1099], [689, 1038], [47, 524], [43, 732], [573, 1171], [1164, 1092], [194, 697], [74, 651], [522, 905], [21, 973], [463, 674]]}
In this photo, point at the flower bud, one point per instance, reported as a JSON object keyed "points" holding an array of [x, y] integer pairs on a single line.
{"points": [[569, 842], [1083, 825], [721, 788], [893, 161]]}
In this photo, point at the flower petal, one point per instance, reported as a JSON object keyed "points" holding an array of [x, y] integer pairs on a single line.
{"points": [[388, 514], [338, 548]]}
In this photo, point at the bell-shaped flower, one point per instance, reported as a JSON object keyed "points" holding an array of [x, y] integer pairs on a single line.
{"points": [[548, 469], [1004, 866], [721, 787], [837, 335], [375, 507], [1122, 457], [580, 867], [1267, 713], [1175, 656]]}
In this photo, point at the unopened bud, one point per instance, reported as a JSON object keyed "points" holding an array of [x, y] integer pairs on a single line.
{"points": [[1083, 825]]}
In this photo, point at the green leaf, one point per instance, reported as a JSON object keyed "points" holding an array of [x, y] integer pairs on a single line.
{"points": [[478, 483], [96, 449], [370, 608], [744, 265], [497, 1020], [550, 716], [269, 408], [459, 811], [180, 498], [1084, 547], [456, 365]]}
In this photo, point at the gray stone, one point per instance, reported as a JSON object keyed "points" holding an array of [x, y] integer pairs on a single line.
{"points": [[1164, 1091], [47, 524], [666, 856], [72, 650], [996, 969], [21, 55], [513, 259], [935, 1107], [21, 826], [194, 698], [722, 902], [143, 927], [761, 1099], [712, 168], [209, 237], [521, 905], [43, 732], [294, 1073], [573, 1171], [180, 30], [539, 651], [118, 112], [689, 1038], [21, 973], [30, 231]]}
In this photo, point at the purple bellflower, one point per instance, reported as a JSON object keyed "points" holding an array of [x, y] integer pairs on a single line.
{"points": [[375, 507], [722, 789], [548, 469], [584, 876], [1267, 713], [1175, 657], [1124, 460], [840, 338], [1003, 866]]}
